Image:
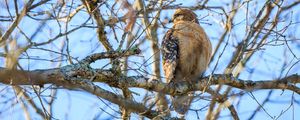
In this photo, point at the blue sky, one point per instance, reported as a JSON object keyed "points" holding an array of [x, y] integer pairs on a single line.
{"points": [[78, 105]]}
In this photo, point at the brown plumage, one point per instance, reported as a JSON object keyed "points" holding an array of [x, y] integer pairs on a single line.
{"points": [[186, 52]]}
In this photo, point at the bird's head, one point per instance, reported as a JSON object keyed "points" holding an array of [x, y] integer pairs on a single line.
{"points": [[184, 15]]}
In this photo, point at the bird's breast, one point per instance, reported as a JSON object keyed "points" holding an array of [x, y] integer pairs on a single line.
{"points": [[194, 49]]}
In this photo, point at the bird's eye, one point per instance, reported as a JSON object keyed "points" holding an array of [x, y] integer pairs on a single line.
{"points": [[176, 15]]}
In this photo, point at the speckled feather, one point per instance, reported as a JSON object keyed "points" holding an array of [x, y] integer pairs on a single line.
{"points": [[170, 54]]}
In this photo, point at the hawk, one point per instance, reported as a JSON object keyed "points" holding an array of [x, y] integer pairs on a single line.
{"points": [[186, 52]]}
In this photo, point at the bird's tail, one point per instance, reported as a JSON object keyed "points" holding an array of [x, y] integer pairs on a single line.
{"points": [[182, 103]]}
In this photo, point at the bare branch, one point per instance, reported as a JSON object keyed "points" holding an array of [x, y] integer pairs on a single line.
{"points": [[111, 54], [60, 76], [16, 22]]}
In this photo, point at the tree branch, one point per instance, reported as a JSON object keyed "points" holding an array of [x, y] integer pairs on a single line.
{"points": [[81, 76], [111, 54], [78, 76], [60, 76], [16, 22]]}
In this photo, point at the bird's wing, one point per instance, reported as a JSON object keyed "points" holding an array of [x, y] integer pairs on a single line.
{"points": [[170, 54]]}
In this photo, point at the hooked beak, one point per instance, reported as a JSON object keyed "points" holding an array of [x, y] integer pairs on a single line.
{"points": [[172, 20]]}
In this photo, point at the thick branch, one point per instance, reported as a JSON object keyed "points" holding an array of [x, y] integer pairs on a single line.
{"points": [[75, 77], [60, 76], [217, 79]]}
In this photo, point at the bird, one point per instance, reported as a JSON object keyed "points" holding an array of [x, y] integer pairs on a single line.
{"points": [[186, 53]]}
